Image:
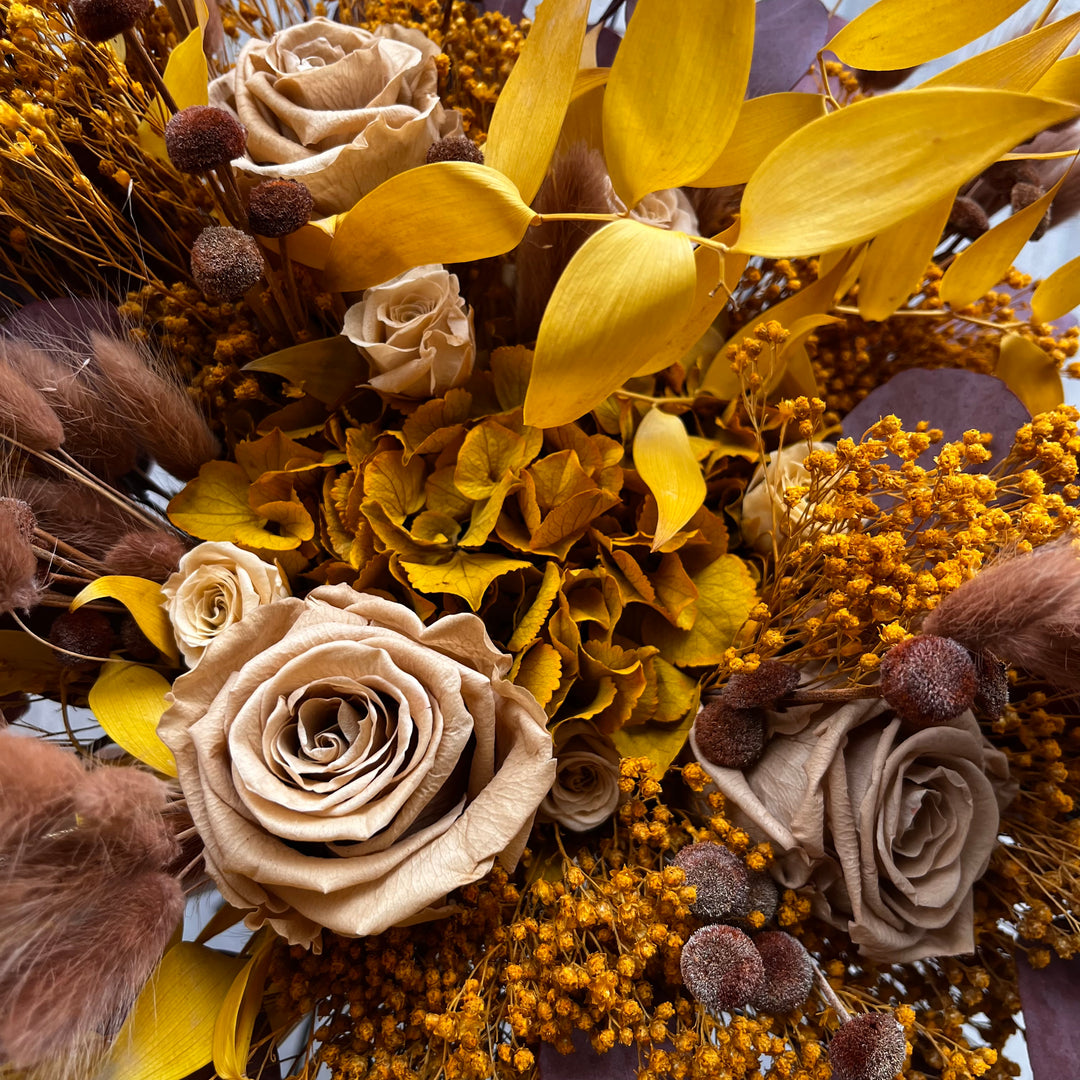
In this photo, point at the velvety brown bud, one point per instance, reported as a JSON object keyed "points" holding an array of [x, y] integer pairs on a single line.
{"points": [[455, 148], [789, 973], [201, 137], [759, 689], [99, 20], [730, 738], [968, 218], [146, 553], [719, 877], [1023, 195], [225, 262], [1003, 174], [279, 207], [86, 632], [993, 693], [721, 967], [764, 895], [928, 680], [868, 1047]]}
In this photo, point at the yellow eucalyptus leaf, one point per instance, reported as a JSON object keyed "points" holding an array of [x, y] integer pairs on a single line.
{"points": [[665, 461], [1058, 294], [983, 263], [169, 1034], [660, 743], [328, 369], [416, 218], [618, 300], [187, 78], [128, 700], [26, 665], [852, 174], [310, 244], [143, 598], [763, 123], [897, 34], [525, 125], [674, 92], [898, 257], [1018, 64], [588, 79], [1062, 81], [1029, 373], [236, 1019], [463, 574]]}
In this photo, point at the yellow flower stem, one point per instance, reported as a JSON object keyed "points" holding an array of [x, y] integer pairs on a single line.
{"points": [[1050, 156], [134, 43], [540, 219], [841, 309], [1045, 15], [826, 89], [655, 400]]}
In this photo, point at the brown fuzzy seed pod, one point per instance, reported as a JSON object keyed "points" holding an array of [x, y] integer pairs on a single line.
{"points": [[1023, 195], [868, 1047], [455, 148], [86, 632], [720, 879], [730, 738], [25, 415], [201, 137], [153, 554], [18, 564], [134, 643], [225, 262], [789, 973], [721, 967], [993, 693], [279, 207], [99, 20], [764, 895], [1003, 174], [759, 689], [22, 514], [968, 218], [928, 680]]}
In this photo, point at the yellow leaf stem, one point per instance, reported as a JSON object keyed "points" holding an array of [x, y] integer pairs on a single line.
{"points": [[665, 462]]}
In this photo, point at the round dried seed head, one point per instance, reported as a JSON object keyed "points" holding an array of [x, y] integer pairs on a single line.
{"points": [[968, 218], [868, 1047], [99, 20], [789, 973], [759, 689], [225, 262], [719, 877], [730, 738], [1023, 195], [202, 137], [764, 895], [721, 967], [928, 680], [279, 207], [84, 631], [1003, 174], [993, 693], [455, 148]]}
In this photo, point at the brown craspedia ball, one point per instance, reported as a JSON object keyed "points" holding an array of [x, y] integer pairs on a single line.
{"points": [[1023, 195], [279, 207], [225, 262], [1003, 174], [202, 137], [760, 688], [99, 20], [968, 218], [720, 879], [993, 693], [135, 643], [84, 631], [455, 148], [764, 895], [721, 967], [928, 680], [730, 738], [868, 1047], [789, 973]]}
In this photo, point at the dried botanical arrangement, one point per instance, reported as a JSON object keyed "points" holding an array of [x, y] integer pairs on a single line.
{"points": [[567, 543]]}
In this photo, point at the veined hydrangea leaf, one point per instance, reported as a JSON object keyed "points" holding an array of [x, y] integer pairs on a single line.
{"points": [[1017, 65], [665, 461], [902, 33], [898, 257], [982, 264], [143, 598], [851, 174], [529, 113], [453, 211], [674, 92], [618, 300], [763, 123], [1062, 81], [128, 700], [464, 574], [1058, 294], [1029, 373]]}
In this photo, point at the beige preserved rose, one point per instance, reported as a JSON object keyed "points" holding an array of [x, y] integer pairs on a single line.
{"points": [[586, 788], [216, 585], [347, 766], [339, 108], [416, 333], [890, 829]]}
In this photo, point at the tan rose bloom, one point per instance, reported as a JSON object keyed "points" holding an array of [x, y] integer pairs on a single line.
{"points": [[416, 332], [890, 831], [339, 108], [347, 766], [216, 585], [586, 788]]}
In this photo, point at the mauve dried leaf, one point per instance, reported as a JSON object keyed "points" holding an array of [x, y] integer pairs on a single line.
{"points": [[787, 36], [64, 325], [607, 45], [1051, 1003], [619, 1063], [953, 400], [514, 10]]}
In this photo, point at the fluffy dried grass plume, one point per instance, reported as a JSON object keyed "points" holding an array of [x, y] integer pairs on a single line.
{"points": [[75, 513], [87, 907], [146, 553], [1024, 609], [18, 564], [25, 415]]}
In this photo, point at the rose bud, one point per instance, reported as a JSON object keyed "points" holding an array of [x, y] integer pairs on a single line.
{"points": [[928, 680], [789, 973], [279, 207], [455, 148], [225, 262], [721, 967], [201, 137], [728, 737], [99, 20], [760, 689], [719, 877], [868, 1047]]}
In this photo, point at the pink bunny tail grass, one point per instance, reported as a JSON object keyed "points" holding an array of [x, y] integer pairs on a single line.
{"points": [[1024, 609]]}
